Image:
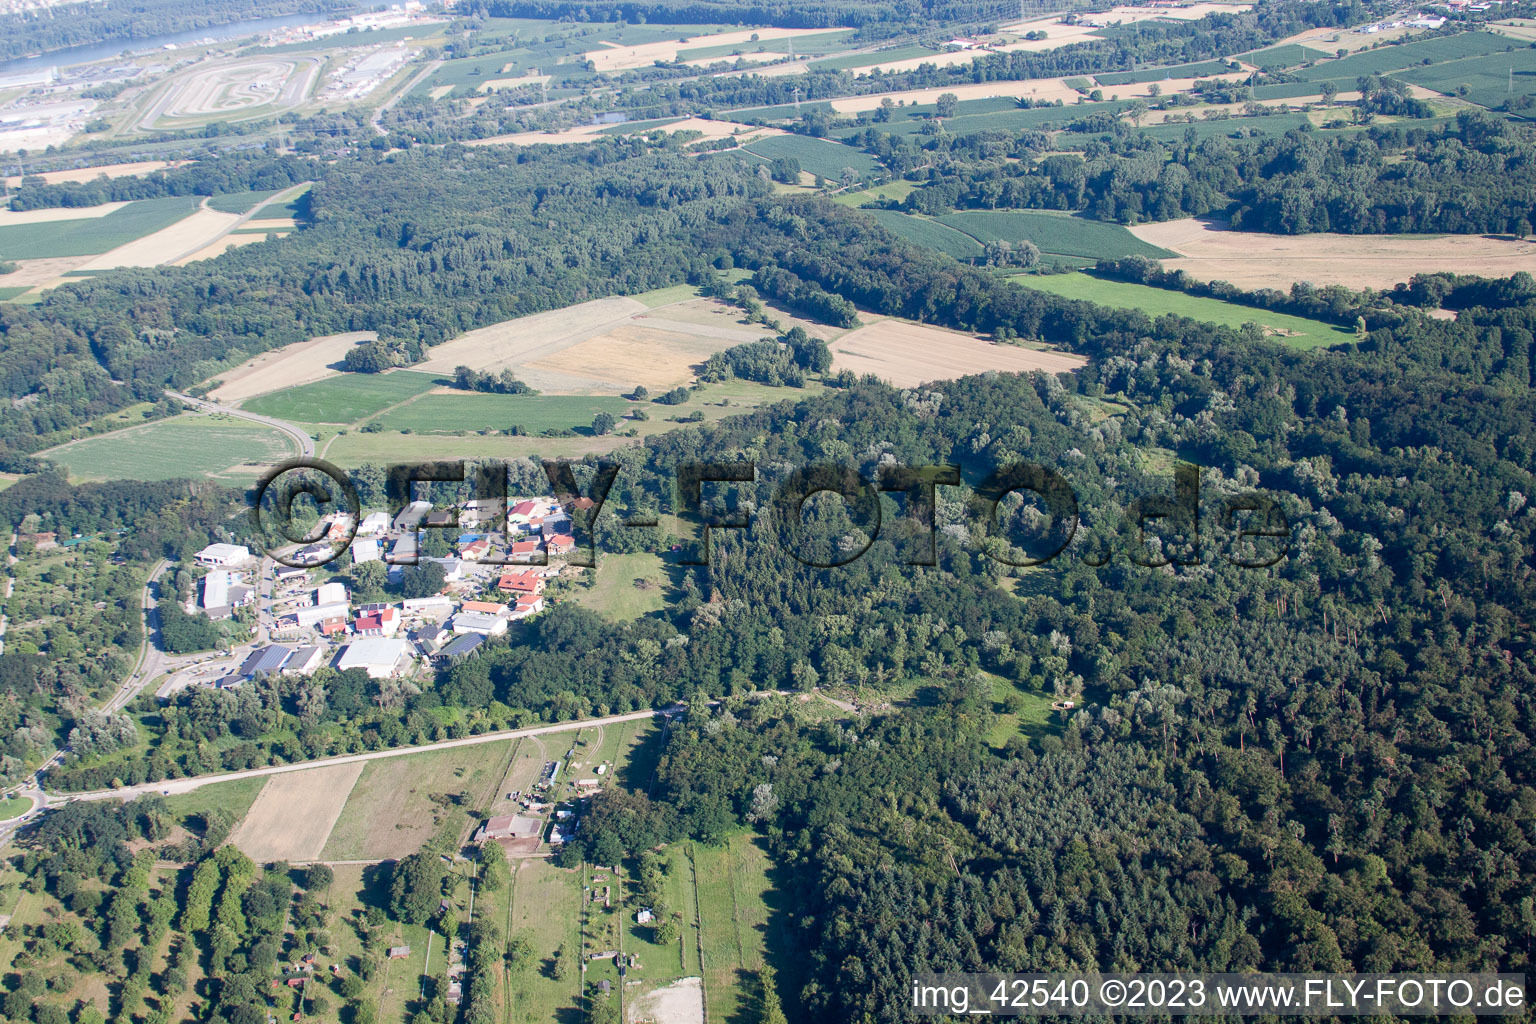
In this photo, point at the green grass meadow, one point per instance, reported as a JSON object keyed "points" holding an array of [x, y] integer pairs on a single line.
{"points": [[818, 156], [191, 445], [240, 202], [1295, 331], [91, 236], [534, 413], [342, 399]]}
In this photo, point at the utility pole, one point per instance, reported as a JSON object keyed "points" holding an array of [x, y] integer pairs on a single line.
{"points": [[797, 99]]}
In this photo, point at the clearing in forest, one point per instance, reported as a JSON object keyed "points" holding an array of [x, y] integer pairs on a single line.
{"points": [[907, 354], [287, 367]]}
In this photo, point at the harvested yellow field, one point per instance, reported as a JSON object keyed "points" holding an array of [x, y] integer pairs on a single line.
{"points": [[907, 354], [10, 218], [623, 58], [220, 247], [46, 272], [271, 224], [1045, 89], [1251, 259], [105, 171], [657, 353], [294, 813], [286, 367], [437, 92], [529, 338], [168, 244], [720, 129]]}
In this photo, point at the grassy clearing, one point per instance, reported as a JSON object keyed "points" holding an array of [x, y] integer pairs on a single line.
{"points": [[91, 236], [191, 445], [9, 292], [1055, 233], [818, 156], [545, 910], [1295, 331], [893, 190], [732, 886], [399, 802], [666, 296], [235, 797], [614, 592], [1019, 712], [1233, 127], [14, 807], [279, 210], [344, 399]]}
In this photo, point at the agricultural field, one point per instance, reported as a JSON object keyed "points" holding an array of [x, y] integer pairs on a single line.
{"points": [[1287, 55], [1232, 127], [879, 59], [462, 411], [1010, 119], [816, 156], [892, 190], [1204, 69], [1406, 55], [397, 803], [185, 237], [907, 354], [1295, 331], [545, 909], [91, 235], [1058, 234], [1489, 80], [287, 367], [190, 445], [240, 202], [928, 232], [234, 797], [293, 815], [345, 398], [1249, 259], [803, 46]]}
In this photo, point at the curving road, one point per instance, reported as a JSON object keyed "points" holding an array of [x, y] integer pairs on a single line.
{"points": [[306, 443]]}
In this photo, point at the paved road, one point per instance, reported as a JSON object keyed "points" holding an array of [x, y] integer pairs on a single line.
{"points": [[174, 786], [305, 442]]}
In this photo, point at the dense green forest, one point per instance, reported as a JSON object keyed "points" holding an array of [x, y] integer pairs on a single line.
{"points": [[45, 28], [1475, 174]]}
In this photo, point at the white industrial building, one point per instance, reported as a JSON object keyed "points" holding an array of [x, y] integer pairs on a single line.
{"points": [[373, 524], [365, 549], [314, 614], [380, 657], [224, 554], [479, 622], [331, 593]]}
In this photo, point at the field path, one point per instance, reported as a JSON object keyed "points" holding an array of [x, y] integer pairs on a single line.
{"points": [[284, 196], [197, 782], [306, 443]]}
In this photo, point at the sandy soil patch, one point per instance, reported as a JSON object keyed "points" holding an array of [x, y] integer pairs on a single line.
{"points": [[620, 58], [106, 170], [168, 244], [720, 129], [529, 338], [437, 92], [220, 247], [908, 354], [681, 1002], [294, 813], [12, 217], [1251, 259], [270, 224], [1516, 28], [49, 272], [286, 367]]}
